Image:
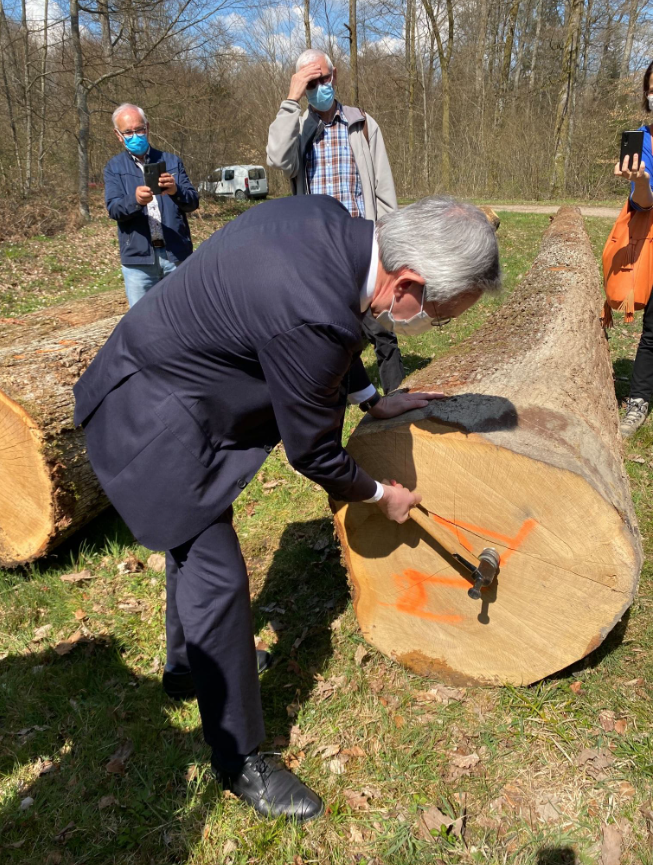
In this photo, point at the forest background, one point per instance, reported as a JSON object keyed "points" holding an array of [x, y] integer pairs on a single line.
{"points": [[520, 99]]}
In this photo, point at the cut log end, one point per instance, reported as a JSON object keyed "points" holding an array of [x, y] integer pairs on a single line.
{"points": [[26, 506]]}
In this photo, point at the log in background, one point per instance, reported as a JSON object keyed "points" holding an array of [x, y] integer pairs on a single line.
{"points": [[525, 457]]}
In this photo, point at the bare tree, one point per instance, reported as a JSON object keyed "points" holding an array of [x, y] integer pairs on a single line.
{"points": [[562, 129], [444, 55]]}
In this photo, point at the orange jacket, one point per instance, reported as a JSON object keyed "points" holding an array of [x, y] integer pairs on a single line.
{"points": [[628, 264]]}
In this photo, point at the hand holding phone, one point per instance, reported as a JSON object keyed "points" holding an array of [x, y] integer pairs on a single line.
{"points": [[632, 145], [152, 171]]}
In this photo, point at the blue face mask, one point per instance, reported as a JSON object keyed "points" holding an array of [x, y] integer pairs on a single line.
{"points": [[321, 97], [137, 144]]}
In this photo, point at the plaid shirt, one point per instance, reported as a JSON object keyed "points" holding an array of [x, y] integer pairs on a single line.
{"points": [[331, 168]]}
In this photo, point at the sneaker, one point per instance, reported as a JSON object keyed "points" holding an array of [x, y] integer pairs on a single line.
{"points": [[636, 411]]}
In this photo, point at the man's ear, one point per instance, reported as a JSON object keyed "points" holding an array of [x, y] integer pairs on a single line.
{"points": [[406, 280], [117, 134]]}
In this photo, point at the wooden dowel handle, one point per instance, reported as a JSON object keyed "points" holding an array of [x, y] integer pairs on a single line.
{"points": [[441, 535]]}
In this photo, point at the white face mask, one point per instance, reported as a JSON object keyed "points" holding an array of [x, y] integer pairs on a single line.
{"points": [[650, 101], [413, 326]]}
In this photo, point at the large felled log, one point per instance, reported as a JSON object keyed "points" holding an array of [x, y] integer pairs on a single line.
{"points": [[526, 458], [47, 487], [54, 319]]}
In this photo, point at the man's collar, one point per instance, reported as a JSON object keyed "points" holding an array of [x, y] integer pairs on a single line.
{"points": [[339, 113], [369, 285], [136, 159]]}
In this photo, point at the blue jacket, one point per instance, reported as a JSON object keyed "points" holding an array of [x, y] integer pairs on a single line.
{"points": [[121, 177], [647, 159], [255, 337]]}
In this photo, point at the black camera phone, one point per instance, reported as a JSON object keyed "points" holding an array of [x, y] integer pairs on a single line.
{"points": [[632, 142], [152, 171]]}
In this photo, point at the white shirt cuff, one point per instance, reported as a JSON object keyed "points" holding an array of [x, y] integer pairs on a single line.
{"points": [[377, 495], [360, 396]]}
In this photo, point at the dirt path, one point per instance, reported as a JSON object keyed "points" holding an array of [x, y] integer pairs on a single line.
{"points": [[609, 212]]}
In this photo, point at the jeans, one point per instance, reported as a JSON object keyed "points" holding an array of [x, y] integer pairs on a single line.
{"points": [[140, 278], [641, 384]]}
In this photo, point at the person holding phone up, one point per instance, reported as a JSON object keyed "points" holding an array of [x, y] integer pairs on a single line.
{"points": [[638, 170], [148, 193]]}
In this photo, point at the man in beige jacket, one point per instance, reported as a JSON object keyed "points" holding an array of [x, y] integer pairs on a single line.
{"points": [[336, 150]]}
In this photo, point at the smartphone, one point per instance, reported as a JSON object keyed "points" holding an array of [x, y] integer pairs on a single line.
{"points": [[152, 171], [632, 142]]}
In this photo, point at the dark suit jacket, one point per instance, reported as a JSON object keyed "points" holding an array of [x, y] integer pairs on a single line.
{"points": [[254, 338], [121, 177]]}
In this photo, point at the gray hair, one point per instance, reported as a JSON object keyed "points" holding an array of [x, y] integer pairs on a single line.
{"points": [[312, 55], [124, 107], [449, 243]]}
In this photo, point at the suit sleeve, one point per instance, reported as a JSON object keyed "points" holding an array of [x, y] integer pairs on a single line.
{"points": [[120, 206], [305, 369], [186, 197]]}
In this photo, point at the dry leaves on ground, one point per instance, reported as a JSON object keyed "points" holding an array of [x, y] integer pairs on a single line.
{"points": [[78, 577], [118, 760], [360, 656], [595, 762], [356, 801], [131, 565], [41, 633], [68, 645], [432, 821], [106, 802], [441, 694], [157, 563], [611, 845]]}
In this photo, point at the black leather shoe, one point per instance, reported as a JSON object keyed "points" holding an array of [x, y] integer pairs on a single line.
{"points": [[272, 790], [179, 685]]}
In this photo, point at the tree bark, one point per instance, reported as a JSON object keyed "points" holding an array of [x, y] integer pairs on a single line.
{"points": [[536, 44], [566, 98], [444, 56], [307, 22], [42, 106], [49, 489], [83, 114], [630, 37], [526, 457], [353, 52], [27, 98]]}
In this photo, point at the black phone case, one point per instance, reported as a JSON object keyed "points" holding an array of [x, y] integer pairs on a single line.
{"points": [[151, 172], [632, 142]]}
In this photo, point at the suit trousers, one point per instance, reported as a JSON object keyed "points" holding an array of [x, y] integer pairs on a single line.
{"points": [[386, 348], [209, 629], [641, 383]]}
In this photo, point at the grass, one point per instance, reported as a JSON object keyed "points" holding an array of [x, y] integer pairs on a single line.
{"points": [[526, 800]]}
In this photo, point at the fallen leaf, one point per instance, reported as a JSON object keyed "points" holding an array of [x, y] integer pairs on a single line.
{"points": [[634, 683], [229, 847], [361, 655], [399, 721], [299, 739], [356, 801], [431, 823], [106, 802], [41, 633], [611, 846], [606, 720], [46, 767], [440, 694], [68, 645], [79, 577], [26, 803], [465, 761], [327, 751], [157, 563], [627, 790], [337, 765], [640, 460], [192, 773], [270, 485], [358, 835], [620, 726], [62, 835], [80, 615], [131, 565], [300, 639], [117, 761], [354, 751], [595, 762], [294, 760], [546, 810], [576, 687]]}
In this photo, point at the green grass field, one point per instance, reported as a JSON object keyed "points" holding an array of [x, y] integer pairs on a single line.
{"points": [[506, 760]]}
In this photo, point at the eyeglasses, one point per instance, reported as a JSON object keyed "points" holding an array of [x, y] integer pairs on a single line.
{"points": [[325, 79], [440, 322], [129, 133]]}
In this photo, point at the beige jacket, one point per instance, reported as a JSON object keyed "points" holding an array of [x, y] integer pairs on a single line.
{"points": [[291, 134]]}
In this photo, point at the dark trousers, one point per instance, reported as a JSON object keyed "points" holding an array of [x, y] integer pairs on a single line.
{"points": [[641, 384], [386, 348], [209, 629]]}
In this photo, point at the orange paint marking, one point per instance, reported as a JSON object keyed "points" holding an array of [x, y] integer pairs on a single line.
{"points": [[414, 599], [513, 543]]}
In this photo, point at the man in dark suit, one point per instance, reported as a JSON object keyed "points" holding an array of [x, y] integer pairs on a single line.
{"points": [[256, 338], [153, 232]]}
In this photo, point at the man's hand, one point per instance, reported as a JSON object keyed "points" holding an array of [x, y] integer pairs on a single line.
{"points": [[397, 501], [300, 80], [143, 195], [402, 402], [167, 184]]}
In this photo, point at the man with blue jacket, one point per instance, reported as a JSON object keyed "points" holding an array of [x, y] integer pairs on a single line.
{"points": [[153, 230]]}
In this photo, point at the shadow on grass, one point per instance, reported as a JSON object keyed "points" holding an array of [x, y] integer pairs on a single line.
{"points": [[623, 371], [556, 856], [62, 719], [612, 642]]}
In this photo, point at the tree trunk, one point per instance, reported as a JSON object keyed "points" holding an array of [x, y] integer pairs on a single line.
{"points": [[630, 36], [353, 52], [536, 44], [444, 56], [27, 98], [4, 55], [525, 457], [36, 325], [48, 488], [44, 68], [484, 11], [507, 52], [566, 96], [307, 22], [83, 114]]}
